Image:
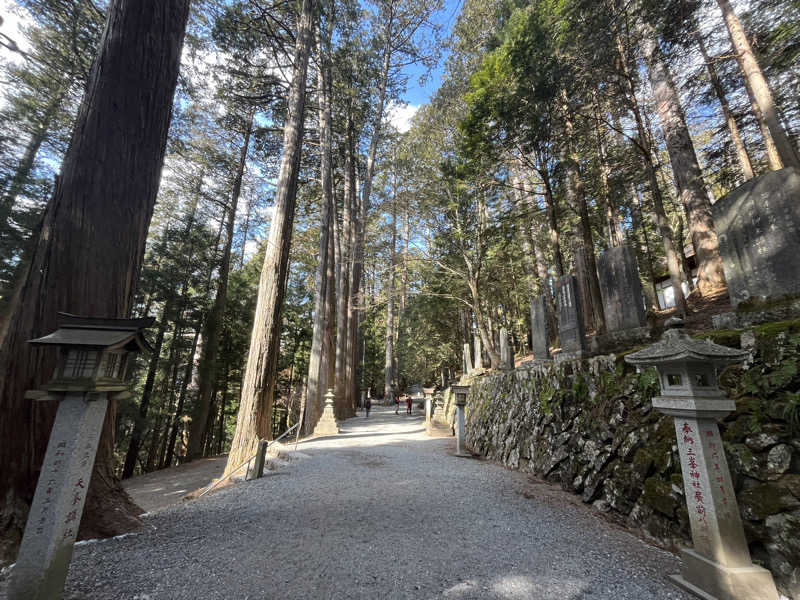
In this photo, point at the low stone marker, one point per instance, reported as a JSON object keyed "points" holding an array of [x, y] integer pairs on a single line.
{"points": [[506, 361], [539, 333], [621, 289], [93, 364], [429, 408], [461, 392], [719, 566], [570, 318], [758, 225], [327, 424]]}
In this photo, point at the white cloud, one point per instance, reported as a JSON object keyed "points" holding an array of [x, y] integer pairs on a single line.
{"points": [[400, 115]]}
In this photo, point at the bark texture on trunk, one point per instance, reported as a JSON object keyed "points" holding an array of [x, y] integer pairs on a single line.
{"points": [[685, 167], [781, 152], [388, 365], [253, 421], [344, 238], [90, 249], [311, 408]]}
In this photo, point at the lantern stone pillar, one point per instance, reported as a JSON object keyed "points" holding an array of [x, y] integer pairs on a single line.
{"points": [[719, 566], [92, 365], [461, 392], [506, 360], [327, 424], [429, 409]]}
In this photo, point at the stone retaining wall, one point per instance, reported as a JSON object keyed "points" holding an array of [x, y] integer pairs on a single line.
{"points": [[588, 425]]}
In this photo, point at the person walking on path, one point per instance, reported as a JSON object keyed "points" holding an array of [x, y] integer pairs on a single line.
{"points": [[408, 404], [368, 405], [396, 403]]}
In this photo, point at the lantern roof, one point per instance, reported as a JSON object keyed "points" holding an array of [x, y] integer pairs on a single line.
{"points": [[676, 346], [100, 333]]}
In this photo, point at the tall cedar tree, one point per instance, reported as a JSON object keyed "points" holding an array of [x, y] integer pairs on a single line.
{"points": [[253, 421], [90, 250]]}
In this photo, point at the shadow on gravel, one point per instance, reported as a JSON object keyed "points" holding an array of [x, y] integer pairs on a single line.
{"points": [[347, 436]]}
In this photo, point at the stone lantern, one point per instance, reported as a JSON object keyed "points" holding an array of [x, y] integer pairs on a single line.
{"points": [[327, 424], [429, 408], [460, 392], [719, 565], [93, 361]]}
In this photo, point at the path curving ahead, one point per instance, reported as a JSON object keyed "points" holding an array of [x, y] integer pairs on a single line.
{"points": [[380, 512]]}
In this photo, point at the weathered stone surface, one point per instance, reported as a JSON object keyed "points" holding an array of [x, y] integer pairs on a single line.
{"points": [[779, 459], [765, 500], [761, 441], [570, 316], [55, 514], [621, 289], [539, 332], [758, 225]]}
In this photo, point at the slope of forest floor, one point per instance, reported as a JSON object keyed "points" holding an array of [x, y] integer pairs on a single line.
{"points": [[168, 486], [379, 511]]}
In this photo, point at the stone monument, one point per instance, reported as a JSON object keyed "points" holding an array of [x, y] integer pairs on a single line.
{"points": [[539, 333], [758, 225], [506, 360], [478, 353], [719, 565], [623, 301], [92, 366], [327, 424], [467, 360], [621, 289], [461, 392], [570, 318]]}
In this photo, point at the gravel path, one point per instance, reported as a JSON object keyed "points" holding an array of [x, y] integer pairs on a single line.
{"points": [[379, 512]]}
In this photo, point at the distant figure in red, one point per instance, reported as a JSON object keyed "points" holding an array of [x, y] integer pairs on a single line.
{"points": [[408, 405]]}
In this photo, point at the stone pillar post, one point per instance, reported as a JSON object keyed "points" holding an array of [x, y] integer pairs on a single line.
{"points": [[719, 565], [55, 514], [478, 353], [460, 426], [506, 361], [467, 360]]}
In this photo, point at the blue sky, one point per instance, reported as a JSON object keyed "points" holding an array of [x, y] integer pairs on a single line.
{"points": [[416, 94]]}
